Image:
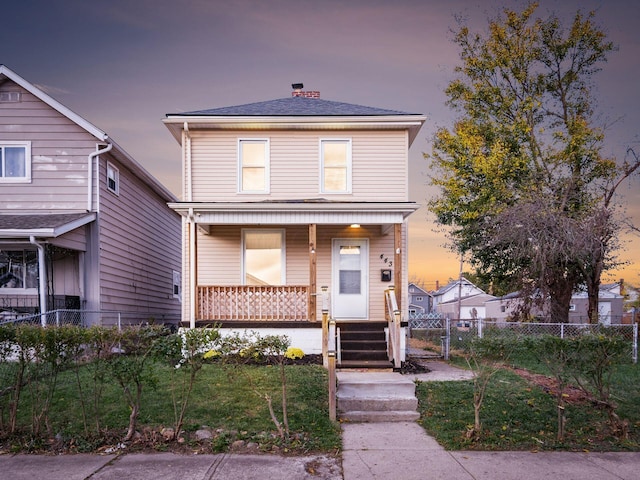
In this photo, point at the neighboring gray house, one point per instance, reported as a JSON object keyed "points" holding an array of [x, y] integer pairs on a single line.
{"points": [[82, 224], [419, 300], [610, 307]]}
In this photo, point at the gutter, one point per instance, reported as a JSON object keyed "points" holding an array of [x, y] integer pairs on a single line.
{"points": [[90, 158], [42, 276]]}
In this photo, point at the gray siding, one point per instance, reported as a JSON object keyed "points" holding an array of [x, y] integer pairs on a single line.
{"points": [[59, 150], [139, 246]]}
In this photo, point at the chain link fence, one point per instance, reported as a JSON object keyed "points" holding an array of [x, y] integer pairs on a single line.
{"points": [[102, 318], [457, 334]]}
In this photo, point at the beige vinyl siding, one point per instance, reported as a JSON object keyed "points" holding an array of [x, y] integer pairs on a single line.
{"points": [[379, 165], [59, 150], [220, 257], [139, 246]]}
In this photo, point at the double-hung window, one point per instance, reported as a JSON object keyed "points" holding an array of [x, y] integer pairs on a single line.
{"points": [[335, 166], [15, 162], [113, 178], [253, 166], [263, 257]]}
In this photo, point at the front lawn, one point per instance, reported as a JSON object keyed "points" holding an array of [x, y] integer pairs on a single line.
{"points": [[520, 414], [228, 399]]}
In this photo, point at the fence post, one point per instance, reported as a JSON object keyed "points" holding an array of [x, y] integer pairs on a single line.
{"points": [[634, 353], [562, 331], [480, 328], [331, 354], [447, 339], [57, 318]]}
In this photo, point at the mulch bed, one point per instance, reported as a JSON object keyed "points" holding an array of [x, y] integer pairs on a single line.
{"points": [[572, 394]]}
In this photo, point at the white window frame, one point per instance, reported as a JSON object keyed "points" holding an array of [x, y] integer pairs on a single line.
{"points": [[27, 162], [348, 142], [267, 165], [176, 288], [283, 252], [116, 179]]}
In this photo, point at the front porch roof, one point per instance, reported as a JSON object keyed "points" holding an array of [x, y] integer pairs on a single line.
{"points": [[317, 211], [42, 226]]}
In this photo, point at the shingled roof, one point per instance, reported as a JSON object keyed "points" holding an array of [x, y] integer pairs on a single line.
{"points": [[294, 106], [48, 225]]}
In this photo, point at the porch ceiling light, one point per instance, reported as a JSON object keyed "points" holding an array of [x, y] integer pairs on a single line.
{"points": [[355, 225]]}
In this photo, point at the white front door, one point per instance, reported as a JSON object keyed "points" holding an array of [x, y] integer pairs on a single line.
{"points": [[350, 278]]}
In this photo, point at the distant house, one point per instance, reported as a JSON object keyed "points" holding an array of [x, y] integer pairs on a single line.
{"points": [[610, 307], [82, 224], [459, 288], [419, 300], [291, 206], [471, 307]]}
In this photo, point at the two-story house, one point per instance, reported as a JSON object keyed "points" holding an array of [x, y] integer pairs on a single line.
{"points": [[82, 224], [419, 300], [289, 198]]}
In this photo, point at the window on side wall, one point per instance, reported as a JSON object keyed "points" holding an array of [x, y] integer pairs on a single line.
{"points": [[253, 166], [15, 162], [18, 269], [113, 178], [177, 285], [263, 257], [335, 166]]}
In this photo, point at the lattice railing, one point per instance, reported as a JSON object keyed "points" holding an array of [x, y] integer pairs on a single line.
{"points": [[254, 302]]}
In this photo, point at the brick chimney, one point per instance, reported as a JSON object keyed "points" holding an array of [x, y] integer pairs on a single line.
{"points": [[298, 92]]}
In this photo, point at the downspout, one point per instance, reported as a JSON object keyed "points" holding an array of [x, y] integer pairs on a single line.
{"points": [[192, 268], [90, 173], [187, 162], [42, 276]]}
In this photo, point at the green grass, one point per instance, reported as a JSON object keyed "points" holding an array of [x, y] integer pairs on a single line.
{"points": [[517, 415], [225, 398]]}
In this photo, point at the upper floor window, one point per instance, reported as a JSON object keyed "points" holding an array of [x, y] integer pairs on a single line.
{"points": [[263, 257], [253, 165], [18, 269], [15, 162], [419, 299], [113, 178], [335, 166]]}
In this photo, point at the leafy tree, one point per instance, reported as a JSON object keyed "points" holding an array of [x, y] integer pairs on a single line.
{"points": [[525, 152]]}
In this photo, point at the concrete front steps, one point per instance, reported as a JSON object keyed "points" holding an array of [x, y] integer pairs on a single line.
{"points": [[369, 396]]}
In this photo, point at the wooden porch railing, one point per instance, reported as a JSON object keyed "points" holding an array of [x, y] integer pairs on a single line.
{"points": [[393, 317], [254, 302]]}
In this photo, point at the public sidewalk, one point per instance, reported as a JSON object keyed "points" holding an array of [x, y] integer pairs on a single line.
{"points": [[403, 451]]}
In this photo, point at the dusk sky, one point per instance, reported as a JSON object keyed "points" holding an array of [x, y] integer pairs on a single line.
{"points": [[124, 64]]}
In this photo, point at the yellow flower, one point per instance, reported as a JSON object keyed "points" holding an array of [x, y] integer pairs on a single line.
{"points": [[294, 353], [211, 354]]}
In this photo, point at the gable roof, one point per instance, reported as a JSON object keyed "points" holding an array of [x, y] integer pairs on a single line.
{"points": [[454, 283], [295, 113], [117, 151], [421, 291]]}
